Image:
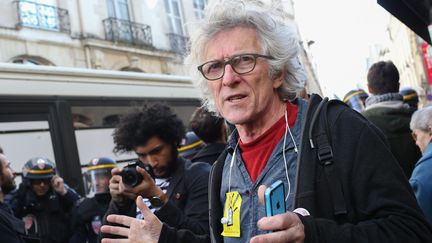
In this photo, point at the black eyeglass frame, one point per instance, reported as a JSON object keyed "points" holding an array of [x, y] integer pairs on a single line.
{"points": [[229, 61]]}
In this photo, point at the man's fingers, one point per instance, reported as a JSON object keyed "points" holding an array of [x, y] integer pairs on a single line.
{"points": [[261, 190], [115, 230], [294, 234], [279, 222], [120, 219], [116, 171], [107, 240], [144, 173], [144, 209]]}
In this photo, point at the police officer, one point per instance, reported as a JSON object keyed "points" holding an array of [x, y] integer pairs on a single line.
{"points": [[356, 99], [89, 211], [43, 201], [190, 145], [410, 97]]}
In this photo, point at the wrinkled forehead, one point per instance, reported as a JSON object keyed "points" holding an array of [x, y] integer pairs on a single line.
{"points": [[224, 41]]}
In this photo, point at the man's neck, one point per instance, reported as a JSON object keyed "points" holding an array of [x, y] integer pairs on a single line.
{"points": [[1, 196], [250, 131]]}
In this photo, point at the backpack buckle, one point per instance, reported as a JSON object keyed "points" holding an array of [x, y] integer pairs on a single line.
{"points": [[325, 155]]}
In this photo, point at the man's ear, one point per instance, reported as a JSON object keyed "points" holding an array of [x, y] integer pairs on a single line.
{"points": [[278, 78], [369, 89]]}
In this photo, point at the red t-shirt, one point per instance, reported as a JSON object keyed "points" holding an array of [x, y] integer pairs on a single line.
{"points": [[256, 154]]}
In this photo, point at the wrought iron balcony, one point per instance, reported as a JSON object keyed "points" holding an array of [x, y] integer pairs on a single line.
{"points": [[125, 31], [42, 16], [179, 43]]}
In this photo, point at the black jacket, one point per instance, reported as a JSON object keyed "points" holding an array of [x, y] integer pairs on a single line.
{"points": [[49, 216], [209, 153], [87, 218], [187, 207], [394, 123], [11, 228], [380, 205]]}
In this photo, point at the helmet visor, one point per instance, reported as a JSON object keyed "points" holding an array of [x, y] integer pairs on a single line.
{"points": [[97, 181]]}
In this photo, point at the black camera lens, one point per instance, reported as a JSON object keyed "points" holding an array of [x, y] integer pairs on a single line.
{"points": [[131, 177]]}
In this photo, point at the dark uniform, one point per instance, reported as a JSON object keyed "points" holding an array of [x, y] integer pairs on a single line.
{"points": [[89, 211], [11, 228], [45, 217]]}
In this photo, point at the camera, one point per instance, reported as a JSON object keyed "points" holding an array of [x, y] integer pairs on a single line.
{"points": [[131, 177]]}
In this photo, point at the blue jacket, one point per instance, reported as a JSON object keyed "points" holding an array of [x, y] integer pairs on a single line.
{"points": [[422, 184]]}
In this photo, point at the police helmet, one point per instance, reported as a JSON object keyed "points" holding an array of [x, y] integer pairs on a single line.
{"points": [[98, 168], [38, 168], [356, 99], [190, 145], [410, 97]]}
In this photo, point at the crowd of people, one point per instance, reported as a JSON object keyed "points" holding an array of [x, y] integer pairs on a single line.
{"points": [[355, 170]]}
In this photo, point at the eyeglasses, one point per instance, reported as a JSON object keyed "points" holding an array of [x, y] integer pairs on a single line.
{"points": [[241, 64], [40, 181]]}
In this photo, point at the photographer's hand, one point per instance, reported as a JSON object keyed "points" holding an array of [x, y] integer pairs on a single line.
{"points": [[147, 188], [117, 189]]}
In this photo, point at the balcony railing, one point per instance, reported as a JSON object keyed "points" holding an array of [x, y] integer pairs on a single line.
{"points": [[42, 16], [179, 43], [125, 31]]}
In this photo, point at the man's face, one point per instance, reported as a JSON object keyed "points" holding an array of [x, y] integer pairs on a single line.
{"points": [[40, 186], [158, 154], [102, 183], [246, 98], [422, 139], [7, 178]]}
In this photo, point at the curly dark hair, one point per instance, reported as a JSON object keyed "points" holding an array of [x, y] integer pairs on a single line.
{"points": [[207, 125], [383, 77], [145, 122]]}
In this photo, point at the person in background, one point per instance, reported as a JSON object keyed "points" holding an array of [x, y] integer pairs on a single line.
{"points": [[386, 110], [421, 182], [212, 130], [410, 97], [178, 193], [356, 99], [245, 59], [89, 211], [11, 228], [44, 202], [190, 145]]}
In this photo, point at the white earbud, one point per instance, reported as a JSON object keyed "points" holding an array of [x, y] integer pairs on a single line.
{"points": [[224, 220]]}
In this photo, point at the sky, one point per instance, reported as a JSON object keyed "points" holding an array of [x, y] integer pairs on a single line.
{"points": [[343, 31]]}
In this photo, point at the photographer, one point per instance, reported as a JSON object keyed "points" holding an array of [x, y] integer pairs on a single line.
{"points": [[178, 193]]}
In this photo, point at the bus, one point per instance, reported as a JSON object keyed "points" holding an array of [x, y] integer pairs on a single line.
{"points": [[68, 114]]}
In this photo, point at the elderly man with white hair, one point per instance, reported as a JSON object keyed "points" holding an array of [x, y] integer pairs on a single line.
{"points": [[245, 59], [421, 125]]}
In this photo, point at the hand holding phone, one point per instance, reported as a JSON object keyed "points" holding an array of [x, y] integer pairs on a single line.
{"points": [[274, 198]]}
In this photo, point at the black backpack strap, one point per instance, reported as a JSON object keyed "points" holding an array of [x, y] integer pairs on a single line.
{"points": [[320, 139], [215, 206]]}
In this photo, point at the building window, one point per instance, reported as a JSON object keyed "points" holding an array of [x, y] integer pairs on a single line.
{"points": [[178, 40], [118, 9], [31, 60], [199, 8], [43, 14], [173, 9]]}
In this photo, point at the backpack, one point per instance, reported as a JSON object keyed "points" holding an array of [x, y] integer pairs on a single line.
{"points": [[319, 140]]}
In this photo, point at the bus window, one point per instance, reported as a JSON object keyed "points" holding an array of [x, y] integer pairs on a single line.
{"points": [[22, 140]]}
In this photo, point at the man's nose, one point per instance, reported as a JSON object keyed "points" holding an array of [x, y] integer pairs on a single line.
{"points": [[148, 159], [230, 76]]}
